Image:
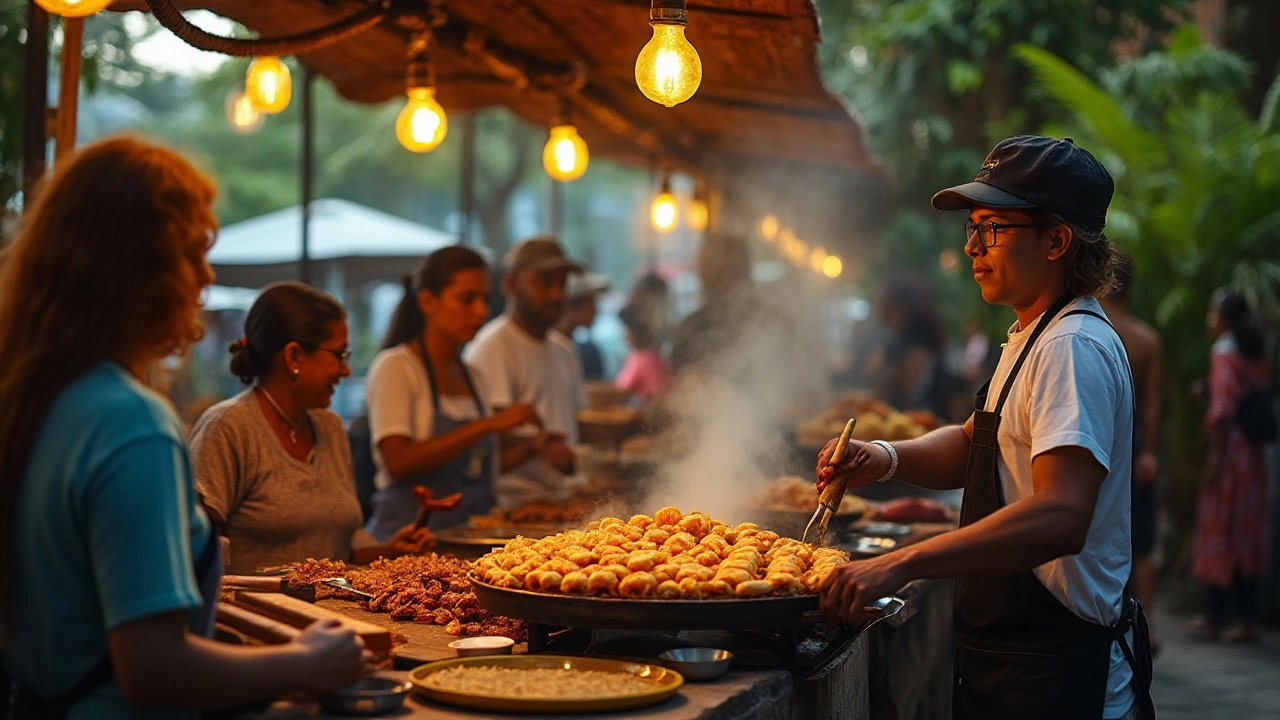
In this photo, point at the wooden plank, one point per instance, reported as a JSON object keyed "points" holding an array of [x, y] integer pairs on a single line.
{"points": [[300, 614], [256, 626], [415, 643]]}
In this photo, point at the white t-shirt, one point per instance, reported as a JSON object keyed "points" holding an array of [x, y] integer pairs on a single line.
{"points": [[547, 374], [398, 395], [1074, 389]]}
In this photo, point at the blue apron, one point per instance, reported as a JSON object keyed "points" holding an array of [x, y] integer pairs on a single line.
{"points": [[470, 473]]}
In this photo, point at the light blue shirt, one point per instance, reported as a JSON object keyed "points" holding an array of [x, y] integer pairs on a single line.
{"points": [[105, 523]]}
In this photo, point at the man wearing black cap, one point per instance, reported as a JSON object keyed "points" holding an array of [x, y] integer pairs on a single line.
{"points": [[1044, 626]]}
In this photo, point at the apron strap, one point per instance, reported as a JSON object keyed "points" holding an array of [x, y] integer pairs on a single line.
{"points": [[431, 381], [1045, 321]]}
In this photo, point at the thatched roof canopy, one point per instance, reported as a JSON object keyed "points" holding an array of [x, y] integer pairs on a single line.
{"points": [[761, 96]]}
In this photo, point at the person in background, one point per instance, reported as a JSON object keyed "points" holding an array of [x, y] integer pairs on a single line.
{"points": [[1231, 512], [522, 364], [644, 374], [912, 373], [581, 291], [273, 464], [109, 568], [1142, 343], [430, 412], [651, 299]]}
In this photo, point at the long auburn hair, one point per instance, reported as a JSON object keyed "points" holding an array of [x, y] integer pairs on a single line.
{"points": [[102, 268]]}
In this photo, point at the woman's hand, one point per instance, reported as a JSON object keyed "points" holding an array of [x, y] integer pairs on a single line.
{"points": [[864, 462], [513, 417], [409, 540], [333, 656]]}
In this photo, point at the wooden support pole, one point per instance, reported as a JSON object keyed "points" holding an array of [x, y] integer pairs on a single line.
{"points": [[35, 99], [68, 87], [306, 171], [467, 179]]}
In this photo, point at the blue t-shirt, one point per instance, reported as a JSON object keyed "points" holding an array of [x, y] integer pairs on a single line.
{"points": [[106, 520]]}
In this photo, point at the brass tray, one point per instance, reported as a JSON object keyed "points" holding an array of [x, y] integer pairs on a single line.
{"points": [[665, 683]]}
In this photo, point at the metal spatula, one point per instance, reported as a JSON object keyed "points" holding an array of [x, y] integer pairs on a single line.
{"points": [[829, 500]]}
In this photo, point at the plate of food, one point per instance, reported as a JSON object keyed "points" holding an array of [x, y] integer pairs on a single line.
{"points": [[545, 683], [791, 493]]}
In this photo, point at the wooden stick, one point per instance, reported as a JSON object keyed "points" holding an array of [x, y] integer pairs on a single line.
{"points": [[844, 442]]}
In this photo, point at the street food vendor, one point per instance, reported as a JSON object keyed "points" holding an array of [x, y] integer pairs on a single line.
{"points": [[273, 464], [522, 363], [109, 568], [1043, 622], [429, 411]]}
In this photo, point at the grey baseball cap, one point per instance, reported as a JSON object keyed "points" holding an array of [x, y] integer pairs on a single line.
{"points": [[540, 252]]}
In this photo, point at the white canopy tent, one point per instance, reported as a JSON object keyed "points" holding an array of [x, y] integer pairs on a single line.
{"points": [[349, 245]]}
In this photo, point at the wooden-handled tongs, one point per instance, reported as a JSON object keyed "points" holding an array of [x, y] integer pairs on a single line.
{"points": [[829, 500]]}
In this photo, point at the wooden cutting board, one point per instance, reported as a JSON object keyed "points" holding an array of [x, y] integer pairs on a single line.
{"points": [[300, 614]]}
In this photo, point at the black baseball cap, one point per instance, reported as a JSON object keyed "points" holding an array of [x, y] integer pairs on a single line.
{"points": [[1030, 171]]}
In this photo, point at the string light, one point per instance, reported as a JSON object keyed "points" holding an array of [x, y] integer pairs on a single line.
{"points": [[832, 267], [668, 69], [565, 155], [816, 258], [769, 228], [664, 214], [73, 8], [268, 84], [422, 124], [242, 116]]}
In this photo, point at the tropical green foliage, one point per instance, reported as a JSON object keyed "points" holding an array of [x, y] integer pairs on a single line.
{"points": [[1197, 195]]}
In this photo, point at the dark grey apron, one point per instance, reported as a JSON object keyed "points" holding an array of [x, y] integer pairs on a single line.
{"points": [[469, 473], [1020, 653]]}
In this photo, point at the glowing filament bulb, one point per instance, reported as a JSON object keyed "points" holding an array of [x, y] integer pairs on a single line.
{"points": [[664, 214], [73, 8], [268, 85], [668, 69], [422, 124], [565, 155]]}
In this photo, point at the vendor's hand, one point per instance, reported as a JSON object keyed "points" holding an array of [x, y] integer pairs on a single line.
{"points": [[333, 656], [864, 463], [853, 585], [513, 417], [1145, 468], [556, 452], [409, 540]]}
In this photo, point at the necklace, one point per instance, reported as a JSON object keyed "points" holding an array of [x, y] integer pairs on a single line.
{"points": [[293, 424]]}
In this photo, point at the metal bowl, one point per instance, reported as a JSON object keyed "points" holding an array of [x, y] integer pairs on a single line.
{"points": [[698, 663], [371, 696], [483, 645]]}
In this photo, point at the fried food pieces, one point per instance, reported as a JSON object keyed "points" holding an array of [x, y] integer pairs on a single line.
{"points": [[671, 555]]}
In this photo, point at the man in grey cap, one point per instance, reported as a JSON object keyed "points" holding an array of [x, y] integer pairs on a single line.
{"points": [[1044, 624], [520, 363]]}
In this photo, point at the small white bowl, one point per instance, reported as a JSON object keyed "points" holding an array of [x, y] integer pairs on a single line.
{"points": [[484, 645]]}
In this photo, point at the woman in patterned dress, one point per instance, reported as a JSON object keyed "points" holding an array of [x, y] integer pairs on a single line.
{"points": [[1232, 510]]}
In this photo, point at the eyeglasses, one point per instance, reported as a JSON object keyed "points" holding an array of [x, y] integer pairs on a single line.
{"points": [[987, 230], [343, 354]]}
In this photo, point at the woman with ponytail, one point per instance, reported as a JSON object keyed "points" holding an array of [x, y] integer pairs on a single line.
{"points": [[109, 569], [1231, 517], [428, 417], [272, 464]]}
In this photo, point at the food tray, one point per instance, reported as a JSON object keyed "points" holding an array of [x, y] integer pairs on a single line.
{"points": [[665, 683], [489, 537], [580, 611]]}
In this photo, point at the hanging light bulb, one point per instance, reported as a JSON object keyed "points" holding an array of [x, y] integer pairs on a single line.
{"points": [[817, 258], [664, 213], [422, 124], [565, 155], [668, 69], [268, 85], [73, 8], [831, 267], [242, 116], [769, 228], [698, 214]]}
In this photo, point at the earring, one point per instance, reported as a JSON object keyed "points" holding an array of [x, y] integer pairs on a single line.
{"points": [[295, 372]]}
